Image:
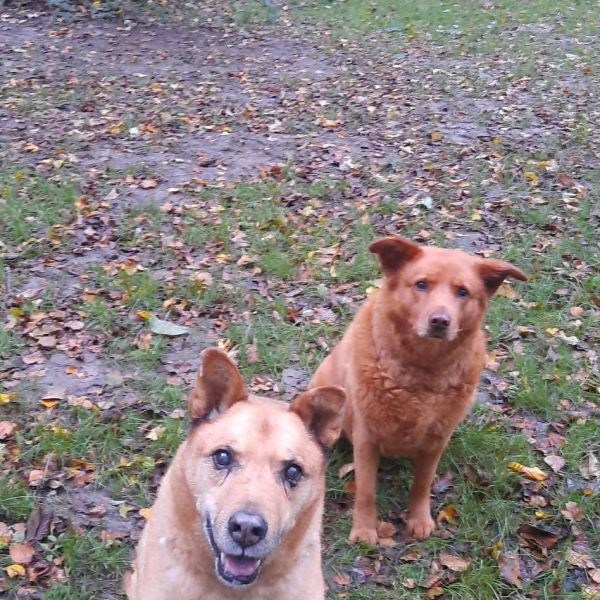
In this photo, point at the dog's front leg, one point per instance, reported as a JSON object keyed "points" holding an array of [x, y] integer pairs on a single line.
{"points": [[366, 464], [420, 523]]}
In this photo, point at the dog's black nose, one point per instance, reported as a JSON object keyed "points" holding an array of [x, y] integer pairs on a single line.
{"points": [[439, 320], [247, 528]]}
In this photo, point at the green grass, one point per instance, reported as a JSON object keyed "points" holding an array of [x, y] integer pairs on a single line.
{"points": [[23, 215], [443, 20]]}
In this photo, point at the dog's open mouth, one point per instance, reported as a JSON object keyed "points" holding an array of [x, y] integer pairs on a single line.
{"points": [[233, 569], [238, 570]]}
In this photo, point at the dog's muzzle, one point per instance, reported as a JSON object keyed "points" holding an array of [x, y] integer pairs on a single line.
{"points": [[238, 569]]}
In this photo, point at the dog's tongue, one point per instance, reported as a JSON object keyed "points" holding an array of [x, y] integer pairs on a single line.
{"points": [[240, 566]]}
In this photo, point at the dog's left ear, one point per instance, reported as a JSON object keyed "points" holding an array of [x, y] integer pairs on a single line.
{"points": [[494, 272], [321, 411], [218, 386]]}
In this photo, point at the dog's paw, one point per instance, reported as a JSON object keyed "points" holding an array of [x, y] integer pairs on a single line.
{"points": [[420, 527], [367, 535]]}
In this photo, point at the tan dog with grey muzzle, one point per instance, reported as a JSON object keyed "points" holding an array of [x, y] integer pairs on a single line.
{"points": [[238, 514]]}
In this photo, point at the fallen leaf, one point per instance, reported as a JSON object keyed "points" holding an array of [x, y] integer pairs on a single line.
{"points": [[47, 341], [148, 184], [507, 291], [55, 393], [145, 512], [252, 353], [436, 136], [342, 580], [385, 529], [6, 398], [434, 592], [7, 428], [573, 512], [39, 523], [35, 477], [565, 180], [161, 327], [556, 463], [590, 469], [510, 569], [533, 473], [21, 553], [345, 469], [540, 537], [449, 514], [453, 562], [15, 571], [156, 433], [579, 559]]}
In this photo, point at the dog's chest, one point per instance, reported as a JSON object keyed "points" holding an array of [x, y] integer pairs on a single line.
{"points": [[406, 414]]}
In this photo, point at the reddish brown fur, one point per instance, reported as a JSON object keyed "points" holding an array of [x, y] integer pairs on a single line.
{"points": [[175, 557], [406, 392]]}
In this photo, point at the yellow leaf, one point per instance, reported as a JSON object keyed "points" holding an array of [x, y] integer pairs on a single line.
{"points": [[448, 514], [552, 330], [145, 512], [436, 136], [540, 514], [143, 314], [476, 215], [15, 571], [506, 291], [534, 473], [6, 398], [531, 177], [49, 403], [156, 433]]}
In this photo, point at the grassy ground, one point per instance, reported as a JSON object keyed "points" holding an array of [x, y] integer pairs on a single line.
{"points": [[271, 264]]}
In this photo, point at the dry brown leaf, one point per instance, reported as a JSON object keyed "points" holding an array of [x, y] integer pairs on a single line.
{"points": [[573, 512], [538, 536], [7, 428], [434, 592], [341, 579], [385, 529], [252, 353], [47, 341], [556, 463], [453, 562], [345, 469], [590, 469], [148, 184], [21, 553], [510, 569]]}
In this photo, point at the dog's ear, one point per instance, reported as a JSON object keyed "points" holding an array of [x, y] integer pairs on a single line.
{"points": [[494, 272], [321, 411], [394, 251], [218, 386]]}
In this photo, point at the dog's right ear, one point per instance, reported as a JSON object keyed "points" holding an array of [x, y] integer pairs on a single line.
{"points": [[218, 386], [393, 252], [321, 411]]}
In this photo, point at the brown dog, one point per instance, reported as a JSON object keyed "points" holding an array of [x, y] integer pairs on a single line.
{"points": [[238, 513], [410, 363]]}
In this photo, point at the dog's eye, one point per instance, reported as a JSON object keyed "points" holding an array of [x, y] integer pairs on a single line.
{"points": [[462, 292], [421, 285], [293, 474], [222, 459]]}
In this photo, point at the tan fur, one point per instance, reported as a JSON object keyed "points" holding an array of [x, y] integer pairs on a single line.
{"points": [[406, 392], [175, 558]]}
